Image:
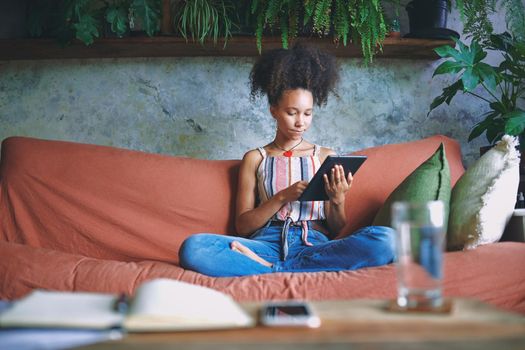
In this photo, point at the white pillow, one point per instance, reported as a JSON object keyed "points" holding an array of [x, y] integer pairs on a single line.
{"points": [[483, 199]]}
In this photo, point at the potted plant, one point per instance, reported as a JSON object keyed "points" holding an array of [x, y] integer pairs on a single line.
{"points": [[476, 17], [503, 86], [204, 19], [362, 21], [84, 19]]}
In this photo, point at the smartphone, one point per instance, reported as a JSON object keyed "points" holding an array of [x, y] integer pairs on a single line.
{"points": [[289, 313]]}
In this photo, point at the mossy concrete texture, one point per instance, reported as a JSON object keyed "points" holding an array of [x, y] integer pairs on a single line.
{"points": [[200, 107]]}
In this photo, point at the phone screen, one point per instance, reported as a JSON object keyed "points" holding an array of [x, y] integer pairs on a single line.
{"points": [[287, 310], [289, 314]]}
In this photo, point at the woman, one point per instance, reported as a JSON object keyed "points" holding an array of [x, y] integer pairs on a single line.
{"points": [[279, 233]]}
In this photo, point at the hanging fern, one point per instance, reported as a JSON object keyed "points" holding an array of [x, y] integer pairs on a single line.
{"points": [[341, 21], [361, 19], [272, 12], [276, 14], [259, 30], [293, 23], [368, 26], [309, 8], [321, 17]]}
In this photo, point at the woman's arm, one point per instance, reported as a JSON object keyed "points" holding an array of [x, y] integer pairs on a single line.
{"points": [[336, 186], [249, 218]]}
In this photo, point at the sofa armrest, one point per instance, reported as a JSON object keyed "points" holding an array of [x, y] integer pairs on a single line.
{"points": [[515, 229]]}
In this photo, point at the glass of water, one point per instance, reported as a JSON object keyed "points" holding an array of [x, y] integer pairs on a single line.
{"points": [[420, 235]]}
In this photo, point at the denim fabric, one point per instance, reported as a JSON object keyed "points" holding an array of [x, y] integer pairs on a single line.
{"points": [[210, 254]]}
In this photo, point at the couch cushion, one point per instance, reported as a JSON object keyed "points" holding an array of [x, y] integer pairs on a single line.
{"points": [[429, 182], [110, 203], [387, 166], [483, 199], [23, 268]]}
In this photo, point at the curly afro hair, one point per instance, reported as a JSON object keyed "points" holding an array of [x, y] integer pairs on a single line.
{"points": [[301, 67]]}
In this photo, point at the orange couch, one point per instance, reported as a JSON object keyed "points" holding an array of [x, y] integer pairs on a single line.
{"points": [[95, 218]]}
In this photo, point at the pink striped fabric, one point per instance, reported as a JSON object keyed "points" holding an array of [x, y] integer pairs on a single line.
{"points": [[276, 173]]}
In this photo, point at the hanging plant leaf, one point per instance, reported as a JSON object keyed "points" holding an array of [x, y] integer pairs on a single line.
{"points": [[149, 12], [117, 16], [86, 29]]}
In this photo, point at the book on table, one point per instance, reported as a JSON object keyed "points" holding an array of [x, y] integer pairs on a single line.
{"points": [[158, 305]]}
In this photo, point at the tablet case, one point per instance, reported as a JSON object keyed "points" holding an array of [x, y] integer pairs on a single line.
{"points": [[315, 189]]}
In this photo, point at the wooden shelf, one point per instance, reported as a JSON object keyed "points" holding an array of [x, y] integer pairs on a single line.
{"points": [[40, 49]]}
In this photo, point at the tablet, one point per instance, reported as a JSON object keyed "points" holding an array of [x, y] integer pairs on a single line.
{"points": [[315, 189]]}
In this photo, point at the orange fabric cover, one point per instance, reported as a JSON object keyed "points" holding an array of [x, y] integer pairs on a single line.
{"points": [[491, 273], [95, 218], [110, 203]]}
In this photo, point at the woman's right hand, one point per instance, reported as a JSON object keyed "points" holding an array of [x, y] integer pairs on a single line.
{"points": [[292, 192]]}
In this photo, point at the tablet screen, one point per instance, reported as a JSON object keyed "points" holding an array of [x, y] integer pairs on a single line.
{"points": [[315, 189]]}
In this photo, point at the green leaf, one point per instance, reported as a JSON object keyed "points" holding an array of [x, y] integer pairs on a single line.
{"points": [[86, 29], [470, 79], [437, 102], [284, 33], [476, 52], [272, 12], [498, 107], [448, 67], [118, 18], [515, 122], [482, 126], [309, 7], [259, 31], [447, 51], [488, 75], [448, 93], [254, 6], [149, 12], [495, 131]]}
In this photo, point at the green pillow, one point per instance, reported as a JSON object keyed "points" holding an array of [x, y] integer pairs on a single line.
{"points": [[429, 182]]}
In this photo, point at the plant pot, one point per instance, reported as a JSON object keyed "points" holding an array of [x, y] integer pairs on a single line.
{"points": [[428, 19], [13, 19], [424, 14]]}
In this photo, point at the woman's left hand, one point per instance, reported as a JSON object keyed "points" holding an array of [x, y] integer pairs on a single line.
{"points": [[336, 185]]}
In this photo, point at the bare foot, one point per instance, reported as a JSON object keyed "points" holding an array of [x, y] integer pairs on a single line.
{"points": [[240, 248]]}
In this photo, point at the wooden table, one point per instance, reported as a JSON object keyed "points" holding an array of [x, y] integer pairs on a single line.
{"points": [[355, 324]]}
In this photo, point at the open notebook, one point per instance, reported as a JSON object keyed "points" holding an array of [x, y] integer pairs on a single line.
{"points": [[158, 305]]}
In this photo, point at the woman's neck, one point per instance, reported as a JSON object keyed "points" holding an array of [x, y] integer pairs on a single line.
{"points": [[286, 143]]}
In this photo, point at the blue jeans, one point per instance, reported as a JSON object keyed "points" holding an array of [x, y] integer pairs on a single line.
{"points": [[211, 254]]}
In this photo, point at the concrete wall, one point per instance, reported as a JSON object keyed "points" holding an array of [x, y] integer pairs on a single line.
{"points": [[200, 107]]}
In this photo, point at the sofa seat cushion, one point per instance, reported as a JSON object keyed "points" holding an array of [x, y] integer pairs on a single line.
{"points": [[502, 282]]}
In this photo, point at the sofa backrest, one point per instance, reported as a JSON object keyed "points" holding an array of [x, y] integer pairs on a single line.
{"points": [[119, 204], [110, 203]]}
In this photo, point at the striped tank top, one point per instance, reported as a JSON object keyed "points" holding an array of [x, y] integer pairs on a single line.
{"points": [[275, 173]]}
